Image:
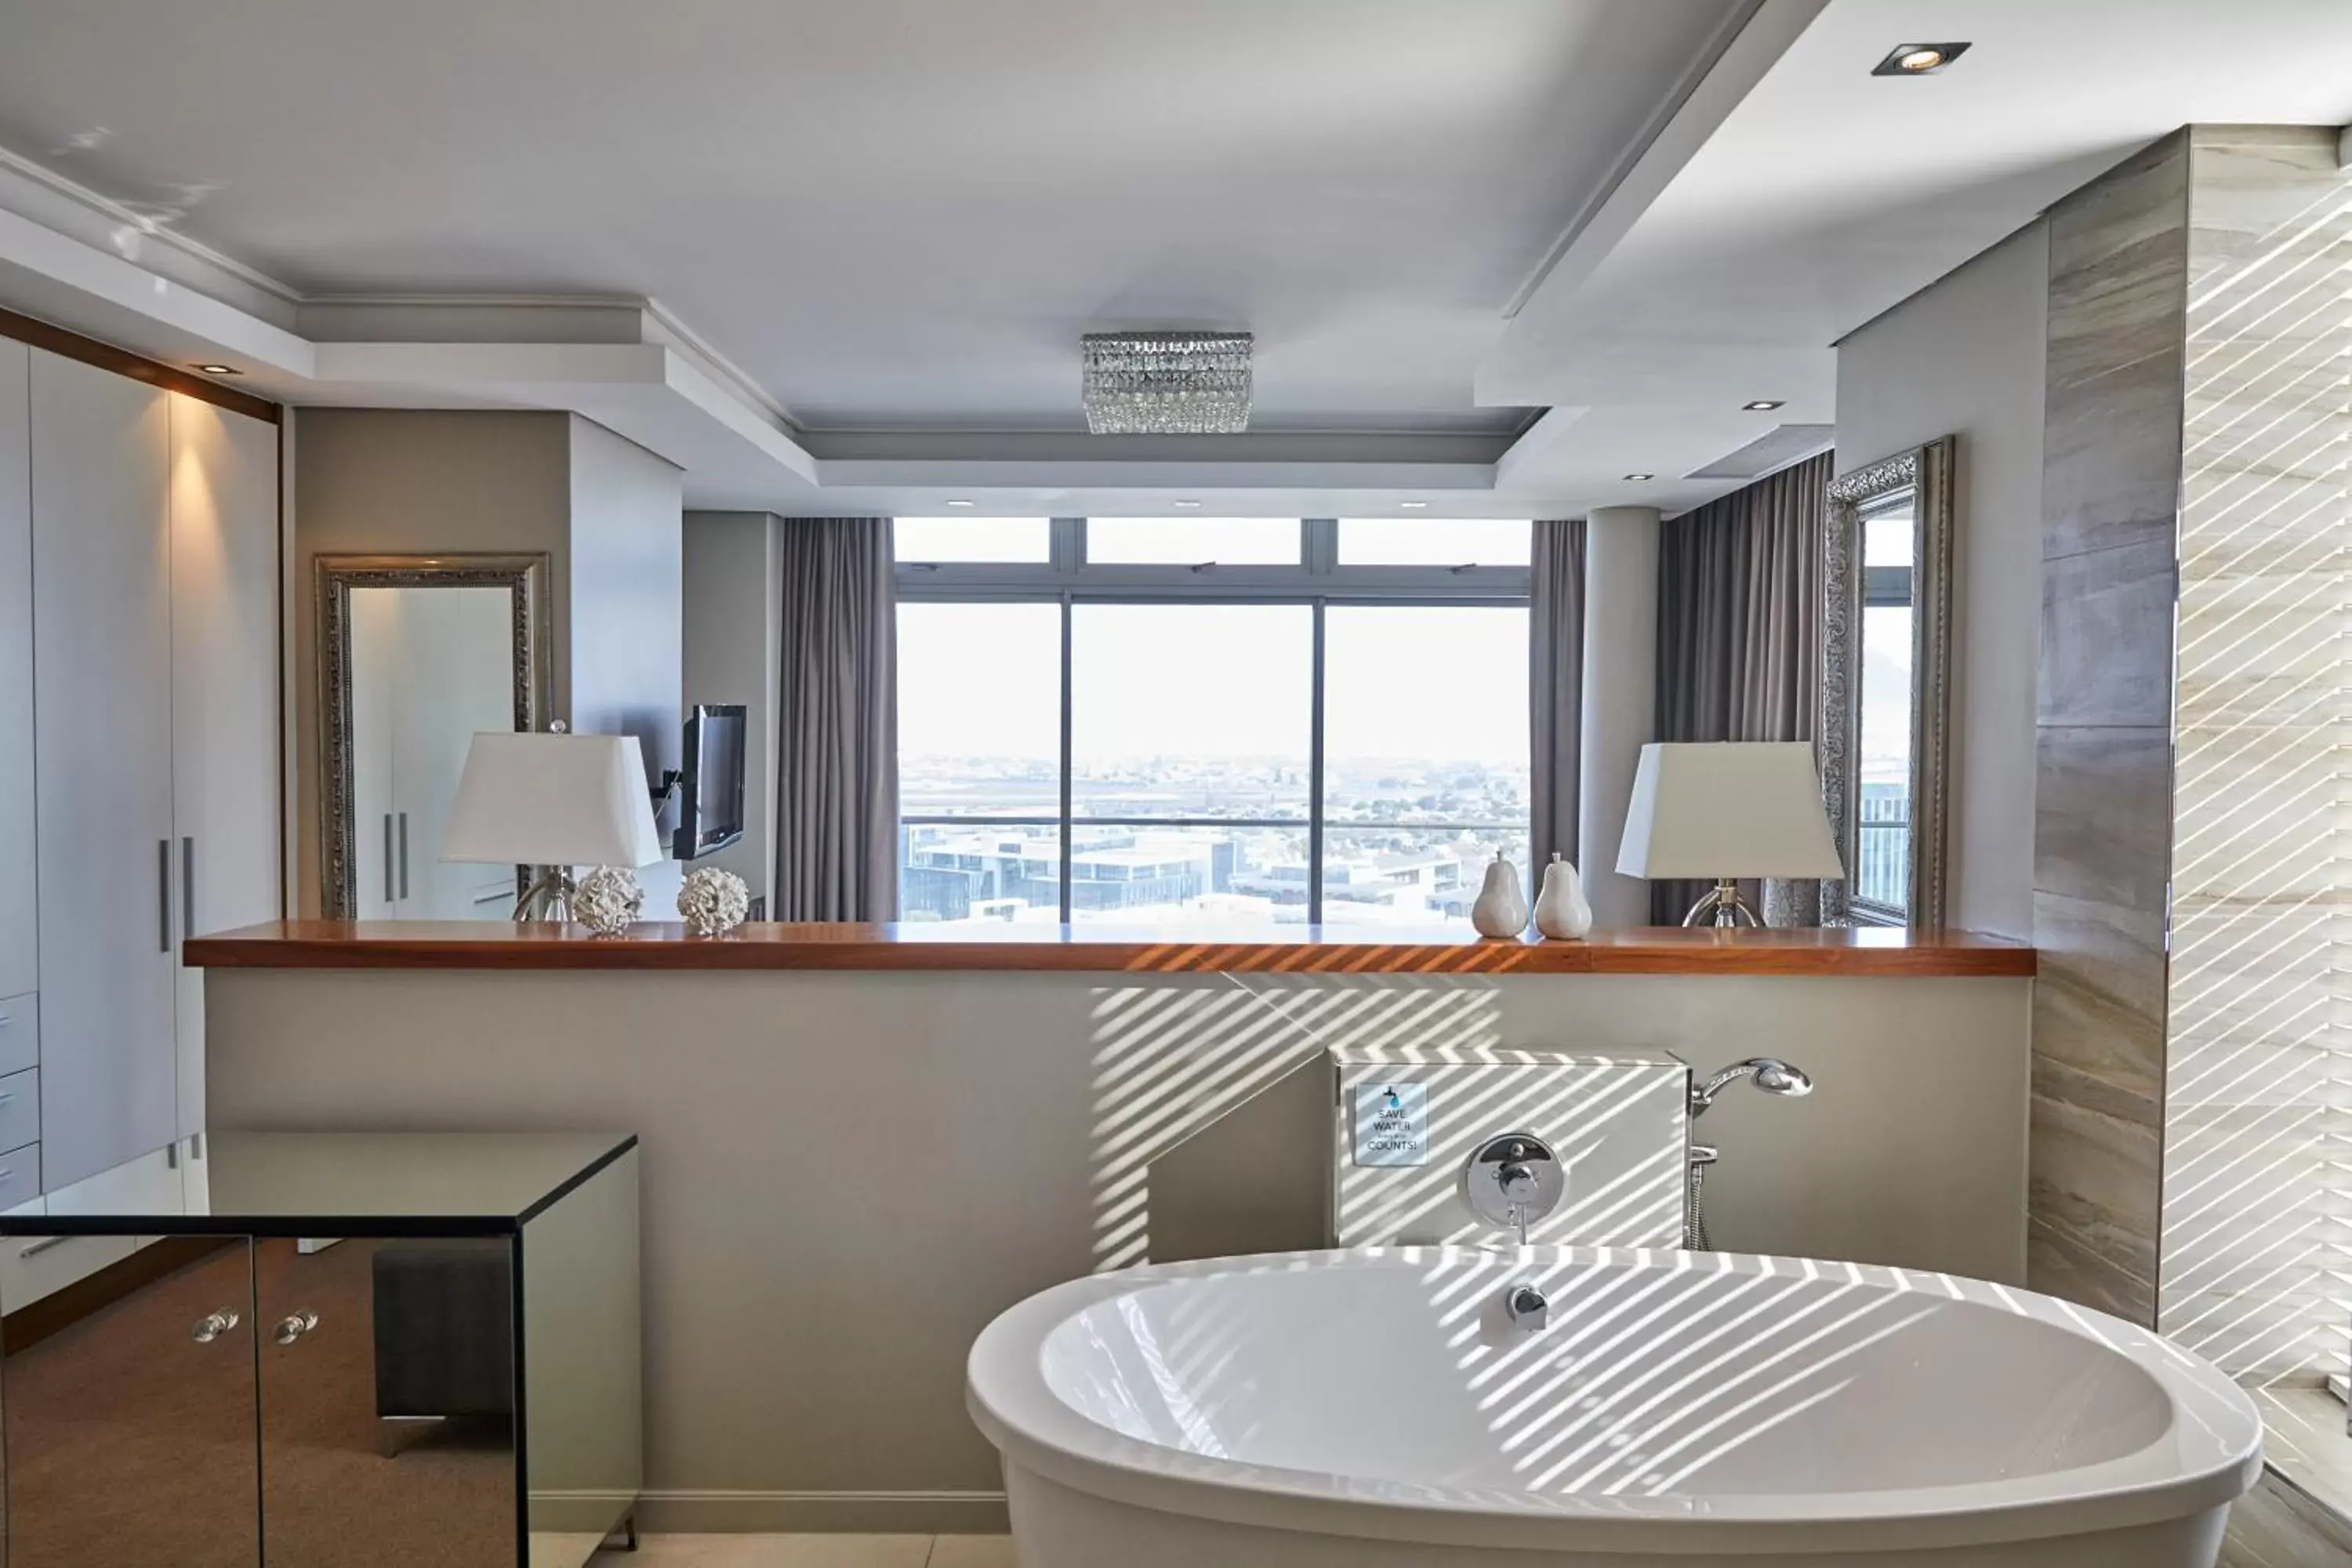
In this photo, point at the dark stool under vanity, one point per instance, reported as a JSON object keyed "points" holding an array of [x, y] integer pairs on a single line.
{"points": [[361, 1349]]}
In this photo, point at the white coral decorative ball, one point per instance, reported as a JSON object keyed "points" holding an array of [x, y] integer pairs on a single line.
{"points": [[713, 902], [607, 899]]}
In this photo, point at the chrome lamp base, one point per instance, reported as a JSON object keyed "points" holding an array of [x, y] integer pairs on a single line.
{"points": [[1726, 905], [548, 897]]}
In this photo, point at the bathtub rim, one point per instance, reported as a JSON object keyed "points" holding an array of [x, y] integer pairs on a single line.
{"points": [[1009, 1399]]}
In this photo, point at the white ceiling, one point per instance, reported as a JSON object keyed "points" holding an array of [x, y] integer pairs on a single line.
{"points": [[889, 220], [1827, 195], [893, 213]]}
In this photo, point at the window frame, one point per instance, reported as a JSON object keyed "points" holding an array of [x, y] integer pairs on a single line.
{"points": [[1318, 581]]}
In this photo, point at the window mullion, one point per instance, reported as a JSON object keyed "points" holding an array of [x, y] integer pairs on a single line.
{"points": [[1066, 843], [1315, 781], [1319, 545], [1067, 550]]}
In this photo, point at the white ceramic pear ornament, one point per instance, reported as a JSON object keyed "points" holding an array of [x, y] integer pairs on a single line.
{"points": [[1502, 908], [1562, 913]]}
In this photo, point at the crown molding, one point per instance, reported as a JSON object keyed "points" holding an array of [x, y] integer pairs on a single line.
{"points": [[115, 217], [716, 364]]}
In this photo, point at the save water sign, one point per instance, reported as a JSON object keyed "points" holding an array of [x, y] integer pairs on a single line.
{"points": [[1392, 1124]]}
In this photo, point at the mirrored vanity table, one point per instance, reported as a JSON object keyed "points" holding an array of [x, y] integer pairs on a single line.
{"points": [[329, 1350]]}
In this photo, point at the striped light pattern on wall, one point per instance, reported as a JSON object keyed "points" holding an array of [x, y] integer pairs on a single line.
{"points": [[2257, 1207]]}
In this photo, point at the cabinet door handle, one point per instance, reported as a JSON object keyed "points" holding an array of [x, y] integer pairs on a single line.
{"points": [[38, 1248], [294, 1326], [404, 857], [387, 858], [187, 888], [163, 894], [212, 1325]]}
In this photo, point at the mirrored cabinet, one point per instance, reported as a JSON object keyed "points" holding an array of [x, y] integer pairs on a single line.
{"points": [[328, 1351]]}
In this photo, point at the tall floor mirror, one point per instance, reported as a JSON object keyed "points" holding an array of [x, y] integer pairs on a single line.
{"points": [[1886, 686], [417, 654]]}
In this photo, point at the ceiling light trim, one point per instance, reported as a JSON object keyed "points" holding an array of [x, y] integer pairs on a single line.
{"points": [[1898, 59]]}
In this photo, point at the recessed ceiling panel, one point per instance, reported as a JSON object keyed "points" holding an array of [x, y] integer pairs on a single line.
{"points": [[892, 214]]}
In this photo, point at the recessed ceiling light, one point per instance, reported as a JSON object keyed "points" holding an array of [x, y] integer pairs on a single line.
{"points": [[1187, 504], [218, 369], [1918, 59], [1637, 478], [1414, 505], [1763, 404], [958, 500]]}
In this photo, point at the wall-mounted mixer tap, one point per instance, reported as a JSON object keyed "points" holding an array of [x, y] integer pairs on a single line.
{"points": [[1515, 1181]]}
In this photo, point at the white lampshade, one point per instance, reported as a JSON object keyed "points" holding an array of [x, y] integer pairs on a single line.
{"points": [[531, 799], [1728, 809]]}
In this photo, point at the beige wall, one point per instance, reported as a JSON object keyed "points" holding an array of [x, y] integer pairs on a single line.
{"points": [[606, 511], [627, 600], [734, 598], [407, 482], [1964, 356], [846, 1176]]}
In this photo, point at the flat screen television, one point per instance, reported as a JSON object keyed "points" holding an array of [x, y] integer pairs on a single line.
{"points": [[710, 786]]}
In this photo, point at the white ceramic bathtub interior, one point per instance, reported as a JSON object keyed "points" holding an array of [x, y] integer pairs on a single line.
{"points": [[1376, 1408]]}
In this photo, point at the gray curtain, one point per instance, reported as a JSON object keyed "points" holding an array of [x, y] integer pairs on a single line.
{"points": [[837, 734], [1556, 686], [1739, 624]]}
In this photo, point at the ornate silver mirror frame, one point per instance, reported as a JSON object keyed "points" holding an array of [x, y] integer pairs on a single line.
{"points": [[1926, 473], [524, 577]]}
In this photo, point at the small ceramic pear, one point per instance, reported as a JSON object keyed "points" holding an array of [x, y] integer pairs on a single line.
{"points": [[1502, 908], [1561, 910]]}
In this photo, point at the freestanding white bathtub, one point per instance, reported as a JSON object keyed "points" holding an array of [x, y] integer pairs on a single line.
{"points": [[1375, 1409]]}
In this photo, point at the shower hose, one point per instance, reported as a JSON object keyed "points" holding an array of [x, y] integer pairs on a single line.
{"points": [[1694, 1238]]}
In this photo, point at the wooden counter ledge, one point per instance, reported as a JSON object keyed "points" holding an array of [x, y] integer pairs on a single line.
{"points": [[1336, 950]]}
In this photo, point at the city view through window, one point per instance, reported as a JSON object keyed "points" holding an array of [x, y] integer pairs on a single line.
{"points": [[1883, 748], [1191, 760]]}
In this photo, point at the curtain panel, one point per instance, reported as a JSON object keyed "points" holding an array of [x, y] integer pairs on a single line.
{"points": [[1554, 688], [1739, 624], [837, 733]]}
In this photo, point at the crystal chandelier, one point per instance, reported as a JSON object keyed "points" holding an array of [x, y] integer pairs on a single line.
{"points": [[1167, 383]]}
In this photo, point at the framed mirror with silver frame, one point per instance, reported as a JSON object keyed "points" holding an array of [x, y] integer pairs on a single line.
{"points": [[416, 654], [1886, 685]]}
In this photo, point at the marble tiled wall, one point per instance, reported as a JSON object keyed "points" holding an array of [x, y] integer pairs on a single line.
{"points": [[2256, 1063], [2111, 473]]}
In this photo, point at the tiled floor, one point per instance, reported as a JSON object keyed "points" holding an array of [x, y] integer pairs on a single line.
{"points": [[815, 1551], [2303, 1439]]}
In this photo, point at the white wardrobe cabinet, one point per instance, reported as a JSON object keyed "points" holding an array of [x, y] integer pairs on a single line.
{"points": [[20, 953], [154, 536], [225, 695], [102, 766]]}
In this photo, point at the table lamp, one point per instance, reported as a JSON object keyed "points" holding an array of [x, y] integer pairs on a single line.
{"points": [[550, 801], [1723, 810]]}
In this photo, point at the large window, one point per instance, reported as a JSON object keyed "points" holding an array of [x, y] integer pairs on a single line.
{"points": [[1206, 727]]}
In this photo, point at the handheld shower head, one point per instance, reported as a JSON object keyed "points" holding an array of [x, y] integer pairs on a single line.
{"points": [[1769, 1074]]}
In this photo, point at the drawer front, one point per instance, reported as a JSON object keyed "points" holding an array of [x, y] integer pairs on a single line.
{"points": [[20, 1032], [20, 1177], [20, 1111]]}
